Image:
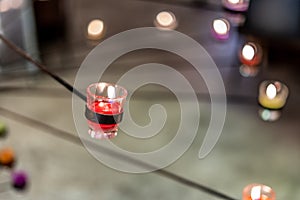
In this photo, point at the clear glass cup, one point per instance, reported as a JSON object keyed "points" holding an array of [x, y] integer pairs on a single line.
{"points": [[104, 109]]}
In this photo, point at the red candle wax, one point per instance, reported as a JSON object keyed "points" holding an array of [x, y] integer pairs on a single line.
{"points": [[105, 108]]}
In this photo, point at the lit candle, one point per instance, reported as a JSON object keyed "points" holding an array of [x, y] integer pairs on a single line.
{"points": [[236, 5], [104, 109], [165, 20], [220, 28], [273, 94], [95, 29], [251, 54], [258, 192]]}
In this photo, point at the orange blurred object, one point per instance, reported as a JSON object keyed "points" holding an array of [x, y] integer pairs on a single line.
{"points": [[7, 157]]}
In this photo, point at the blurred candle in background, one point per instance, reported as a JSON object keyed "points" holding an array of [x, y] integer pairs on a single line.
{"points": [[221, 28], [95, 29], [258, 192], [7, 157], [19, 180], [236, 5], [251, 54], [273, 94], [165, 20]]}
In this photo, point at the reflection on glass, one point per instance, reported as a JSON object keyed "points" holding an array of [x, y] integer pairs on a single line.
{"points": [[248, 71]]}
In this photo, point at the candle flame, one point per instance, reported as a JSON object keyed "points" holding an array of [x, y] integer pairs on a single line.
{"points": [[220, 26], [165, 18], [95, 28], [248, 52], [111, 92], [256, 193], [271, 91], [234, 1]]}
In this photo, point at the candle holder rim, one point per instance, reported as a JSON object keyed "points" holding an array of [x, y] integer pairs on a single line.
{"points": [[105, 97]]}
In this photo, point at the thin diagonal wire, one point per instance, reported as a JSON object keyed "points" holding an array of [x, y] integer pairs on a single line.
{"points": [[78, 141], [42, 67]]}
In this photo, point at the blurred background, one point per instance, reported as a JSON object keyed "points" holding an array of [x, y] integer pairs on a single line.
{"points": [[253, 148]]}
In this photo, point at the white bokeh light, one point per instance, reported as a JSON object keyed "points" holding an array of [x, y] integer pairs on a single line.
{"points": [[271, 91], [248, 52], [256, 193], [95, 29], [165, 19], [221, 26], [234, 1], [111, 92]]}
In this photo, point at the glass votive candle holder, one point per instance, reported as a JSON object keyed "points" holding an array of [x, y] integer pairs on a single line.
{"points": [[221, 28], [251, 54], [272, 94], [236, 5], [258, 192], [104, 109], [165, 20]]}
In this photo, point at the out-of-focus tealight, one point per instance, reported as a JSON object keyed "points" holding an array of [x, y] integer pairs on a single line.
{"points": [[95, 29], [258, 192], [236, 5], [272, 94], [165, 20], [221, 28], [251, 54]]}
